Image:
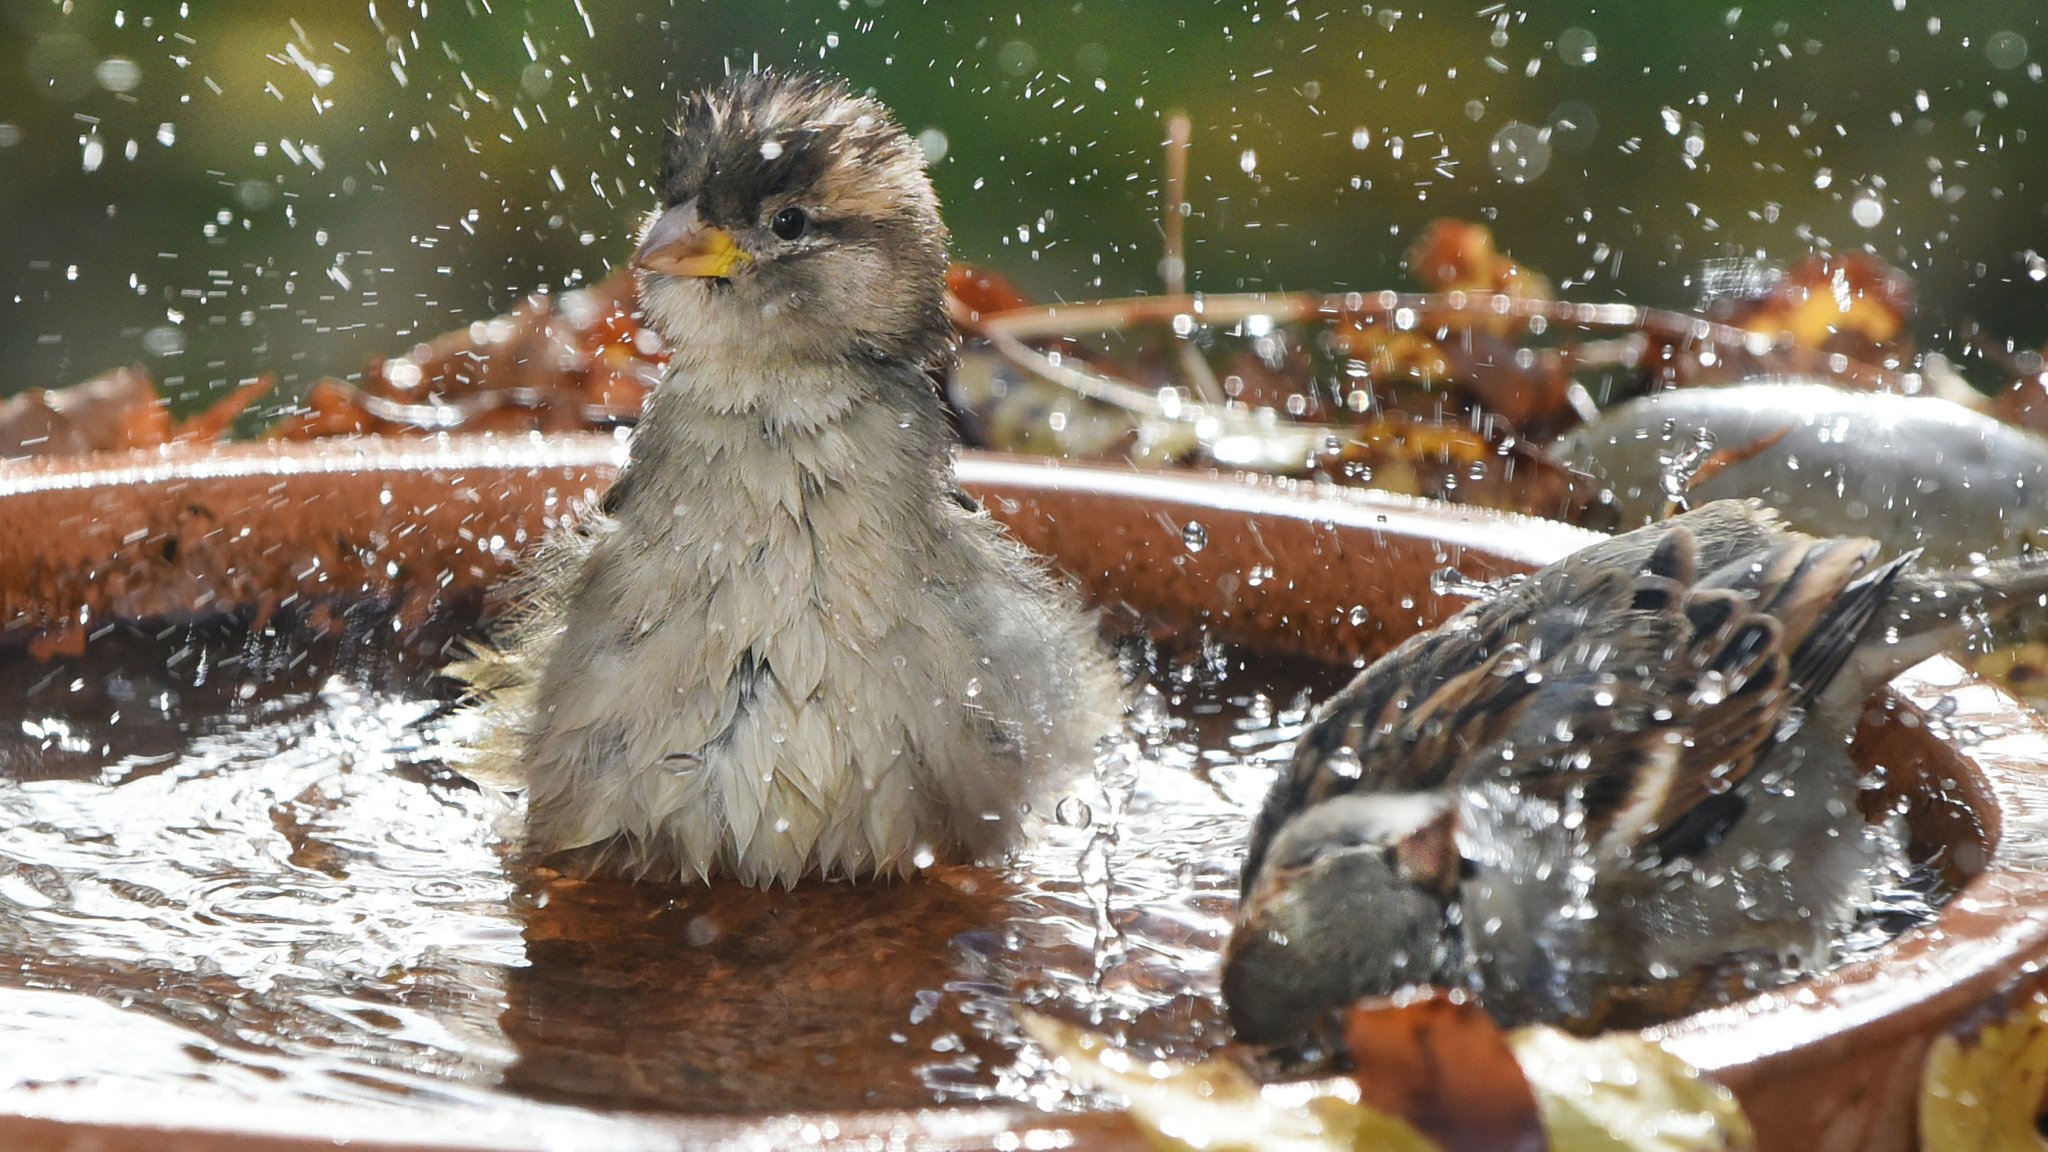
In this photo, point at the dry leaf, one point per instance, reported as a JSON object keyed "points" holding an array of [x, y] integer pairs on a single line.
{"points": [[1215, 1107], [1621, 1093], [1438, 1061], [1983, 1093], [1613, 1093]]}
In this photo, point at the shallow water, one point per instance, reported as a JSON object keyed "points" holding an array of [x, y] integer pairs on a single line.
{"points": [[236, 865]]}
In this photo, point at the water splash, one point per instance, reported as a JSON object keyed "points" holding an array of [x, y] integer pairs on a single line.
{"points": [[1682, 470], [1450, 582], [259, 881], [244, 859]]}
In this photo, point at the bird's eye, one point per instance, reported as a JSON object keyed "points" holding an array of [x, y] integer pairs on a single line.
{"points": [[789, 223]]}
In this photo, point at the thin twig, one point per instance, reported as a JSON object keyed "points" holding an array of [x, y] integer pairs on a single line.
{"points": [[1173, 266]]}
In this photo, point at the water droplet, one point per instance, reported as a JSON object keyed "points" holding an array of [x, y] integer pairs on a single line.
{"points": [[2006, 50], [1448, 581], [1679, 472], [1073, 812], [1519, 152], [1195, 536], [120, 74], [1017, 57], [163, 340], [1577, 47]]}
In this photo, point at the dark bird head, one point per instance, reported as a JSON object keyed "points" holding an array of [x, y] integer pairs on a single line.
{"points": [[1350, 900], [797, 228]]}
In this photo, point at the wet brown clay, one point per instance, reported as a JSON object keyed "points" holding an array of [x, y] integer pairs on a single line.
{"points": [[1291, 569]]}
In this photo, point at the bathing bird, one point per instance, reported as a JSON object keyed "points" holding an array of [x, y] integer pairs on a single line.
{"points": [[786, 644], [1628, 771]]}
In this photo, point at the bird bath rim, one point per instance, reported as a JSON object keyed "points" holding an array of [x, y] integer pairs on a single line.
{"points": [[1832, 1062]]}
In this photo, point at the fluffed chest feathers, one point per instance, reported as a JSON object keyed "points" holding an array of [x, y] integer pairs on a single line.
{"points": [[755, 530], [773, 635]]}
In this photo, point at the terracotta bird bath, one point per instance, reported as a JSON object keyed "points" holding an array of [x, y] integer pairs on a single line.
{"points": [[112, 550]]}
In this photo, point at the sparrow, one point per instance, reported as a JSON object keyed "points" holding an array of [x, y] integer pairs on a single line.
{"points": [[1624, 771], [785, 644]]}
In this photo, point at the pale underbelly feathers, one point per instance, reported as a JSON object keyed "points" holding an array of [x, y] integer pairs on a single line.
{"points": [[816, 693]]}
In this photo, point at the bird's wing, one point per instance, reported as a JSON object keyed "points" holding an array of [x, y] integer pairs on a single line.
{"points": [[1652, 716], [1641, 680]]}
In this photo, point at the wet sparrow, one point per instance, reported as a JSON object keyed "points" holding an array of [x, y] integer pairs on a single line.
{"points": [[1629, 768], [788, 645]]}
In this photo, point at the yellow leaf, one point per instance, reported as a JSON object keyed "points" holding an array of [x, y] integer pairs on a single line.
{"points": [[1215, 1107], [1982, 1094], [1621, 1093], [1612, 1093]]}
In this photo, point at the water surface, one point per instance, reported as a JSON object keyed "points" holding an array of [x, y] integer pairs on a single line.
{"points": [[235, 864]]}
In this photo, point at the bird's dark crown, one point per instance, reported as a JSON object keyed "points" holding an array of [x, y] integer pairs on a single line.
{"points": [[764, 136], [867, 234]]}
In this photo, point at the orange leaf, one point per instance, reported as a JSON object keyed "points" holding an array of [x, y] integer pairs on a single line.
{"points": [[1438, 1061]]}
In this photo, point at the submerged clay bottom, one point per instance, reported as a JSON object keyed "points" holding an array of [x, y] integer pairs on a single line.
{"points": [[256, 901]]}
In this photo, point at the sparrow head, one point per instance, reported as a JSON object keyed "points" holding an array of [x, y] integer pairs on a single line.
{"points": [[796, 226], [1351, 900]]}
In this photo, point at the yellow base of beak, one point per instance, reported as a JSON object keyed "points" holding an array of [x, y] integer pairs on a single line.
{"points": [[680, 244]]}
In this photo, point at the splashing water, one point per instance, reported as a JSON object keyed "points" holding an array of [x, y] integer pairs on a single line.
{"points": [[239, 867], [1676, 478], [1449, 581]]}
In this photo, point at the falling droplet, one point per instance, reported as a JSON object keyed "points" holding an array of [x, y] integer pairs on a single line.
{"points": [[1344, 762], [1448, 581], [1073, 812], [1684, 467], [1195, 536]]}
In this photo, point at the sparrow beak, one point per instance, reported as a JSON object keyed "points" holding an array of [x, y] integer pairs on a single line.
{"points": [[679, 243]]}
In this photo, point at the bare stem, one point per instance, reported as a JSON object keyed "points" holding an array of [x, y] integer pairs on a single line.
{"points": [[1173, 265]]}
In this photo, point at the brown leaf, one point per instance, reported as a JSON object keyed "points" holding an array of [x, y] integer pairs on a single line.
{"points": [[1438, 1061], [213, 423], [117, 409], [1460, 256], [1451, 462], [976, 292], [330, 409]]}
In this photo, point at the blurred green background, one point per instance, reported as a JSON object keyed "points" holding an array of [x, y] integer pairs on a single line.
{"points": [[217, 189]]}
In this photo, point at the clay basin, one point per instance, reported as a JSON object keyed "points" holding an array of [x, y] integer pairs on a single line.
{"points": [[464, 998]]}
